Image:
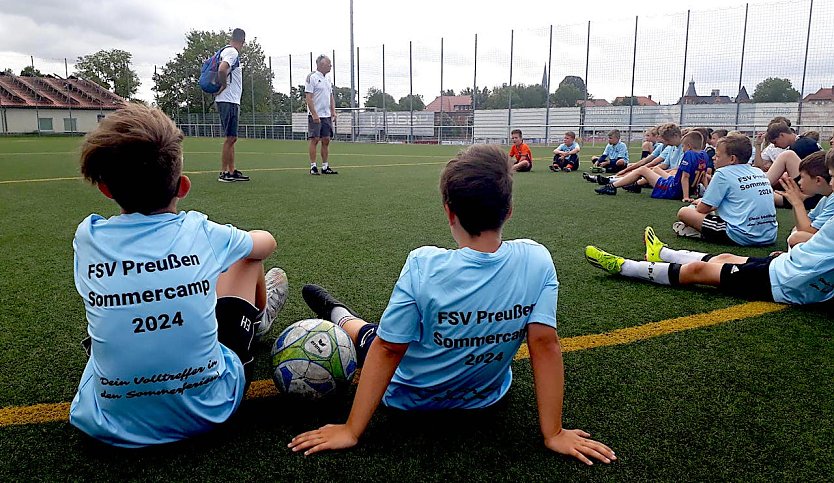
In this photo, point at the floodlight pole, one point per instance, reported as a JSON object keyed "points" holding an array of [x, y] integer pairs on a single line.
{"points": [[474, 88], [352, 80], [510, 89], [805, 64], [683, 82], [633, 69], [547, 89], [741, 67]]}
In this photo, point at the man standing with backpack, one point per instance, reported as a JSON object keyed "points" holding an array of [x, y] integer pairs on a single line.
{"points": [[230, 76]]}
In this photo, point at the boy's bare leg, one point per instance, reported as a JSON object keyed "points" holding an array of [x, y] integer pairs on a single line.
{"points": [[709, 272], [245, 280], [690, 216], [786, 162]]}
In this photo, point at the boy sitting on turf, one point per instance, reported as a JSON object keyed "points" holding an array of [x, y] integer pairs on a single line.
{"points": [[663, 165], [815, 179], [615, 156], [457, 317], [172, 299], [804, 275], [739, 194], [520, 152], [681, 183], [652, 159], [566, 156]]}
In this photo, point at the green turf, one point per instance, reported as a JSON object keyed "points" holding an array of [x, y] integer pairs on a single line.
{"points": [[750, 399]]}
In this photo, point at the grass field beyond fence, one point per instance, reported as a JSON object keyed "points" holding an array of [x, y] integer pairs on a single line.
{"points": [[748, 399]]}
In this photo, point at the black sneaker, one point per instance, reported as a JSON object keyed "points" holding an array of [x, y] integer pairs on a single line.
{"points": [[633, 188], [602, 180], [608, 189], [554, 168], [314, 170], [328, 170], [321, 302], [238, 176], [225, 177], [591, 178]]}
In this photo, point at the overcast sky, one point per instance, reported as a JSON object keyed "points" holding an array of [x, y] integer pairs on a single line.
{"points": [[154, 31]]}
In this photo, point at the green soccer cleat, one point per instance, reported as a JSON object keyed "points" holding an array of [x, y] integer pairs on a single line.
{"points": [[604, 260], [653, 245]]}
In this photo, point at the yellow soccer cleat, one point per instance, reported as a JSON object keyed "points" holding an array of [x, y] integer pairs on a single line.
{"points": [[604, 260], [653, 245]]}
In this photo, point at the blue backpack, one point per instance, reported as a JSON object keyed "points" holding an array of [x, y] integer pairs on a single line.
{"points": [[209, 81]]}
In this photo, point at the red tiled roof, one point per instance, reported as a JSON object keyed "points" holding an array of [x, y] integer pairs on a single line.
{"points": [[825, 94], [641, 101], [449, 103], [53, 92], [593, 103]]}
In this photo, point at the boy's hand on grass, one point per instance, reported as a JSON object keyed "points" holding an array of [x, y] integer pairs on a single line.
{"points": [[331, 436], [689, 200], [575, 442]]}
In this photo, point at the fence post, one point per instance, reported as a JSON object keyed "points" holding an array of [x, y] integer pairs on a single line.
{"points": [[474, 88], [741, 68], [203, 101], [358, 98], [440, 130], [333, 70], [69, 99], [271, 102], [291, 107], [510, 88], [252, 89], [547, 89], [37, 112], [805, 64], [584, 108], [384, 105], [633, 69], [683, 83], [410, 96]]}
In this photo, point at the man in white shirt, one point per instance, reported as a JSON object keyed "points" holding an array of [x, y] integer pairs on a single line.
{"points": [[230, 74], [321, 113]]}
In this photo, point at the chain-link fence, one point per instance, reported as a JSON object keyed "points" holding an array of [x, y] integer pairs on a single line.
{"points": [[732, 68]]}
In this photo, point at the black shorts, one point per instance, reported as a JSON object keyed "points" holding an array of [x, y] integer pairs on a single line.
{"points": [[526, 168], [229, 113], [322, 129], [237, 323], [714, 229], [750, 280]]}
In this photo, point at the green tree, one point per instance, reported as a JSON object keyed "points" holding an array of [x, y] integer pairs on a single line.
{"points": [[775, 89], [8, 71], [625, 101], [523, 96], [479, 96], [575, 81], [405, 102], [111, 70], [28, 71], [375, 97], [448, 92], [566, 96], [176, 83], [342, 96]]}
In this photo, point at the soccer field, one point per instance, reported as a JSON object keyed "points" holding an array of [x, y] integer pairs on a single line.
{"points": [[743, 392]]}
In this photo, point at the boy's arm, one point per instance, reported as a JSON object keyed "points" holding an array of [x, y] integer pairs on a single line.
{"points": [[263, 244], [704, 208], [383, 359], [549, 379], [685, 186], [793, 194]]}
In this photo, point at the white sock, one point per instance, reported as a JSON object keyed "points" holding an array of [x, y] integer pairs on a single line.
{"points": [[680, 256], [650, 271], [340, 315], [312, 164], [325, 165]]}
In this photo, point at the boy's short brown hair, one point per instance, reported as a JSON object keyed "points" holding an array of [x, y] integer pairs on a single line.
{"points": [[829, 159], [571, 134], [669, 130], [477, 185], [737, 145], [781, 119], [614, 133], [517, 131], [137, 153], [705, 132], [815, 165], [694, 140], [776, 129], [720, 133], [815, 135]]}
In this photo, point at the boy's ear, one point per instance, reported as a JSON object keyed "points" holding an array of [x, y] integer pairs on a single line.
{"points": [[104, 190], [449, 214], [184, 187]]}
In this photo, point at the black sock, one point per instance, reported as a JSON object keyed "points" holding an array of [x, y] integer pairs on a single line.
{"points": [[674, 274]]}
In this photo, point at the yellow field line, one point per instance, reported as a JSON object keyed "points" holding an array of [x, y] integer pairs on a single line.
{"points": [[255, 170], [49, 413]]}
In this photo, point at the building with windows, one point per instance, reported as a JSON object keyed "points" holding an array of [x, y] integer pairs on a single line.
{"points": [[52, 105]]}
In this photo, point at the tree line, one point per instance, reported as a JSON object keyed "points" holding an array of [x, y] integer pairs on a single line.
{"points": [[176, 87]]}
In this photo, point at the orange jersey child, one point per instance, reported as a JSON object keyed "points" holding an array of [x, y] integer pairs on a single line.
{"points": [[521, 153]]}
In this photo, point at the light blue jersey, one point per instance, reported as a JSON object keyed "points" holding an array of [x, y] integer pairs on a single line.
{"points": [[743, 198], [156, 372], [672, 156], [805, 275], [616, 151], [822, 212], [566, 149], [464, 314], [658, 148]]}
